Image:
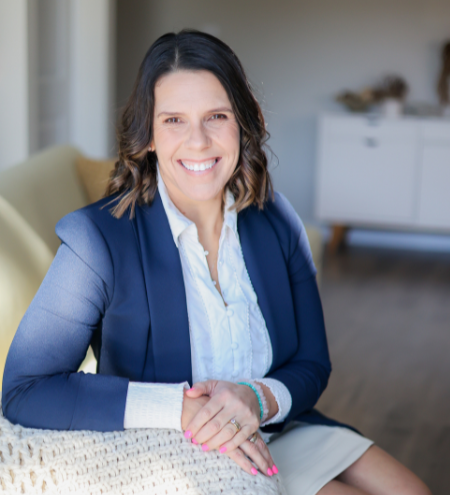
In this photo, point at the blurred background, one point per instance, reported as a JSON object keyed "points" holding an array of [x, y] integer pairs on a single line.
{"points": [[355, 94]]}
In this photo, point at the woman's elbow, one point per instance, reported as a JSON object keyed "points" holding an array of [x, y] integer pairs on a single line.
{"points": [[324, 376], [10, 399], [15, 394]]}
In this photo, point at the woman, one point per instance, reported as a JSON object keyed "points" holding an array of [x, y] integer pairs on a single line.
{"points": [[190, 270]]}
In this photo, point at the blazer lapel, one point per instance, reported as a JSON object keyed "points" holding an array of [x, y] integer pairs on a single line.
{"points": [[169, 346], [270, 279]]}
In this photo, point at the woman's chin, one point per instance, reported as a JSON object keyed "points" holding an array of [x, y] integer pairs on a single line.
{"points": [[204, 197], [201, 191]]}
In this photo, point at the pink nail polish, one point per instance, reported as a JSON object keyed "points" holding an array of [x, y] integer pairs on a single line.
{"points": [[205, 448], [254, 471], [274, 469], [192, 388], [188, 433], [222, 450], [194, 441], [270, 472]]}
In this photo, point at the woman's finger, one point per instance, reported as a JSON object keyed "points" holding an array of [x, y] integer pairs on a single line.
{"points": [[195, 393], [222, 439], [219, 429], [259, 454], [206, 387], [216, 432], [205, 414], [241, 460], [261, 444], [242, 435]]}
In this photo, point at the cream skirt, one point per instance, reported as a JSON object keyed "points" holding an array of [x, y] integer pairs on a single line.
{"points": [[309, 456]]}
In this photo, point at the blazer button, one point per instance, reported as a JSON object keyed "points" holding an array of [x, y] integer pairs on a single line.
{"points": [[230, 312], [234, 346]]}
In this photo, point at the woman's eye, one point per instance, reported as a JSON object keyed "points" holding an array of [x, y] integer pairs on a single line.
{"points": [[218, 116], [173, 120]]}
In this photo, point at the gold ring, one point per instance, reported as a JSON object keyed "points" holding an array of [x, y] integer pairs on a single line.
{"points": [[235, 424], [253, 437]]}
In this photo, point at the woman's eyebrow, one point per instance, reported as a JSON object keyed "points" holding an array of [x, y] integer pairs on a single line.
{"points": [[220, 109], [168, 113]]}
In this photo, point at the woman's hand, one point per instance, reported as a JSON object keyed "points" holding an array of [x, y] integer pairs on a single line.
{"points": [[211, 426]]}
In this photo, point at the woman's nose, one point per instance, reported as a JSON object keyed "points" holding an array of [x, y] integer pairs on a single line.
{"points": [[198, 137]]}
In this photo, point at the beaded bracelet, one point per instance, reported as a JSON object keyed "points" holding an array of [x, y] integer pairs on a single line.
{"points": [[263, 400], [264, 411]]}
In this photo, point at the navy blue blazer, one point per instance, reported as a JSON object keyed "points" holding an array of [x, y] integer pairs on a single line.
{"points": [[117, 284]]}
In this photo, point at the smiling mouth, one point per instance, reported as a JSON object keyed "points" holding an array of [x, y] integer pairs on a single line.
{"points": [[199, 166]]}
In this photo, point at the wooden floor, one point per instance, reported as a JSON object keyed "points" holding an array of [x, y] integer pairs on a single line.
{"points": [[388, 325]]}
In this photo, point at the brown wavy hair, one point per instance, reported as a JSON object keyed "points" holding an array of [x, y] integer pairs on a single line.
{"points": [[134, 178]]}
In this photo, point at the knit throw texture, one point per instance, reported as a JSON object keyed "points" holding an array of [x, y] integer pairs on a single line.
{"points": [[150, 461]]}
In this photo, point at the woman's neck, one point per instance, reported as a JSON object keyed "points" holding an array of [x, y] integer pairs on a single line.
{"points": [[207, 215]]}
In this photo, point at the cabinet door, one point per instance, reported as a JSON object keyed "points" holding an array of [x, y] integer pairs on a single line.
{"points": [[434, 202], [368, 174]]}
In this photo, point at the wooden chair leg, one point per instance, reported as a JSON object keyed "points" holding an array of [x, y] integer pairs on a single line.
{"points": [[338, 239]]}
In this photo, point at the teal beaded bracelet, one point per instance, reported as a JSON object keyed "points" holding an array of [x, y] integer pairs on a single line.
{"points": [[261, 409]]}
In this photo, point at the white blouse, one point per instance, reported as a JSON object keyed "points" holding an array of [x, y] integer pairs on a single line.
{"points": [[227, 342]]}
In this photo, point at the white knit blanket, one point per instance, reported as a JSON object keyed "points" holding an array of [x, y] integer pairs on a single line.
{"points": [[150, 461]]}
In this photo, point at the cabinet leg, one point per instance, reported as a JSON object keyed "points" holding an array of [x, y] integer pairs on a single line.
{"points": [[338, 239]]}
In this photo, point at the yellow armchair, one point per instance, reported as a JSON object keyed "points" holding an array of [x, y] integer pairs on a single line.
{"points": [[24, 261]]}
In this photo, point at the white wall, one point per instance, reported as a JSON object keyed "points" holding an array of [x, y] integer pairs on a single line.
{"points": [[13, 82], [299, 54], [92, 97], [48, 72], [57, 70]]}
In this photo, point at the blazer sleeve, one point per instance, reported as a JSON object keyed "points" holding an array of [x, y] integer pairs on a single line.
{"points": [[306, 373], [41, 385]]}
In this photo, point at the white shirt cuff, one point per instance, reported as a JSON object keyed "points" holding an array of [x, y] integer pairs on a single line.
{"points": [[282, 396], [154, 405]]}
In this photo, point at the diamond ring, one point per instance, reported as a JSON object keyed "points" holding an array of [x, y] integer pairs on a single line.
{"points": [[235, 424]]}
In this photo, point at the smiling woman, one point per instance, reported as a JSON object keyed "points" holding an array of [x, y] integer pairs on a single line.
{"points": [[191, 270], [203, 92]]}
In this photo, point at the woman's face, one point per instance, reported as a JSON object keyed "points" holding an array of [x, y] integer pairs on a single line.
{"points": [[195, 135]]}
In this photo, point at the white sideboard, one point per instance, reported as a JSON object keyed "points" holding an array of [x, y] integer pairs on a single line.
{"points": [[384, 173]]}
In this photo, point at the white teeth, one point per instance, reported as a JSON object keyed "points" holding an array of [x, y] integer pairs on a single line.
{"points": [[199, 167]]}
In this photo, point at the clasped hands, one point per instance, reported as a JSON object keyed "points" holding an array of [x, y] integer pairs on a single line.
{"points": [[208, 408]]}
